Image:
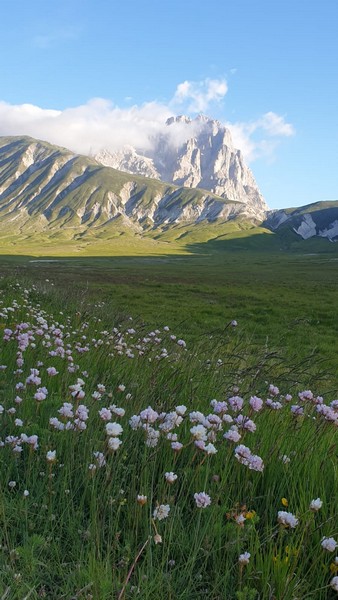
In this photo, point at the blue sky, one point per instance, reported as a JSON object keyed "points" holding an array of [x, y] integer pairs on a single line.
{"points": [[269, 70]]}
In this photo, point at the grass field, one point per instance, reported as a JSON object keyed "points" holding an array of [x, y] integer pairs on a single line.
{"points": [[285, 301], [130, 371]]}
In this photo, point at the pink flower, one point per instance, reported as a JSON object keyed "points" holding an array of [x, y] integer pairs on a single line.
{"points": [[202, 499]]}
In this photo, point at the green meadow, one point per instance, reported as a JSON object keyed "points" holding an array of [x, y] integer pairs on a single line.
{"points": [[169, 424]]}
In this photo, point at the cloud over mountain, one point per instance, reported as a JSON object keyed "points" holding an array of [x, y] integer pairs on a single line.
{"points": [[99, 123]]}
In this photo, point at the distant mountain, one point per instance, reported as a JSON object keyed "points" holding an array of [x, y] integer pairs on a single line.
{"points": [[44, 188], [47, 192], [314, 220], [196, 153]]}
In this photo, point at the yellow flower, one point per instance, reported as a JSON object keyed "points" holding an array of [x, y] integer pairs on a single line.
{"points": [[250, 514], [285, 502]]}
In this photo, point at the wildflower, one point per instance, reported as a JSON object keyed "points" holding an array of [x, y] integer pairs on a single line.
{"points": [[100, 459], [244, 558], [141, 499], [105, 414], [170, 477], [250, 514], [274, 405], [114, 443], [236, 403], [153, 437], [26, 493], [232, 435], [12, 484], [181, 410], [200, 444], [252, 461], [246, 423], [120, 412], [233, 323], [256, 403], [82, 412], [219, 407], [135, 422], [210, 449], [114, 429], [202, 499], [273, 390], [51, 371], [176, 446], [240, 520], [315, 505], [334, 584], [66, 410], [51, 456], [305, 395], [199, 432], [287, 519], [285, 502], [329, 544], [161, 512], [297, 410], [157, 538], [149, 415]]}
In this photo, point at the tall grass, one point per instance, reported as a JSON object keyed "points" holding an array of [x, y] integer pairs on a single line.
{"points": [[74, 524]]}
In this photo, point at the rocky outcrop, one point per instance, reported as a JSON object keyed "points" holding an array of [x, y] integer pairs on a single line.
{"points": [[196, 153], [314, 220]]}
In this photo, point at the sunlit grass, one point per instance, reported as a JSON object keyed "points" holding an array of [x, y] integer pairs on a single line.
{"points": [[70, 520]]}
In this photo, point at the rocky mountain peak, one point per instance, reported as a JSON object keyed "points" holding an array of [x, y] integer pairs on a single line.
{"points": [[194, 153]]}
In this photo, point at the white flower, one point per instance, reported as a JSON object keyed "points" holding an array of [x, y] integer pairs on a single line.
{"points": [[244, 559], [315, 505], [170, 477], [149, 415], [334, 583], [240, 519], [114, 429], [161, 512], [210, 449], [199, 432], [329, 544], [114, 443], [181, 410], [287, 519], [141, 499], [12, 484], [202, 499], [26, 493], [105, 414], [51, 456]]}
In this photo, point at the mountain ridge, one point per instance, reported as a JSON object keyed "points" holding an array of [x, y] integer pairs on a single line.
{"points": [[49, 192], [197, 153]]}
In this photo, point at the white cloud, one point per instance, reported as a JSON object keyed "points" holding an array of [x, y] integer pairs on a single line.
{"points": [[260, 138], [100, 124], [197, 96]]}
